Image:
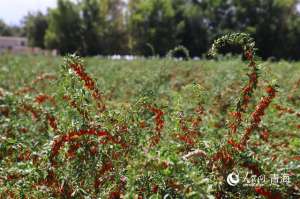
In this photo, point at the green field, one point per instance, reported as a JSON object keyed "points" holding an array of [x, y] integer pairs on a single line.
{"points": [[158, 112]]}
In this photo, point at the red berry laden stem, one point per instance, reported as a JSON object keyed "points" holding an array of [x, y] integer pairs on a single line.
{"points": [[259, 112], [60, 141], [247, 92], [159, 123], [89, 84]]}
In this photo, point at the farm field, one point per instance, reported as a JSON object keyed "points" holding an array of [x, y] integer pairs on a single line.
{"points": [[147, 128]]}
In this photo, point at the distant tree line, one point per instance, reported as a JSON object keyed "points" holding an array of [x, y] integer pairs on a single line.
{"points": [[6, 30], [147, 27]]}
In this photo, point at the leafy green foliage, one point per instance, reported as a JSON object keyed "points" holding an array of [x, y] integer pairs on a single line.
{"points": [[164, 131], [4, 29], [239, 41], [91, 27], [152, 22], [64, 32], [179, 51], [35, 28]]}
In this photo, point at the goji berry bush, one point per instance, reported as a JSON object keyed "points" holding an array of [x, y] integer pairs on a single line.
{"points": [[156, 128]]}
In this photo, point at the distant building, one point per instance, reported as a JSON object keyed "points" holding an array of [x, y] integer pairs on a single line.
{"points": [[13, 44], [19, 45]]}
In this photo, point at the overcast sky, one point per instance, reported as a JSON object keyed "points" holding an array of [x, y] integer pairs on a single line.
{"points": [[12, 11]]}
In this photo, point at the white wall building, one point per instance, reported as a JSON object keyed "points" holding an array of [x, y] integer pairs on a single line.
{"points": [[13, 44]]}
